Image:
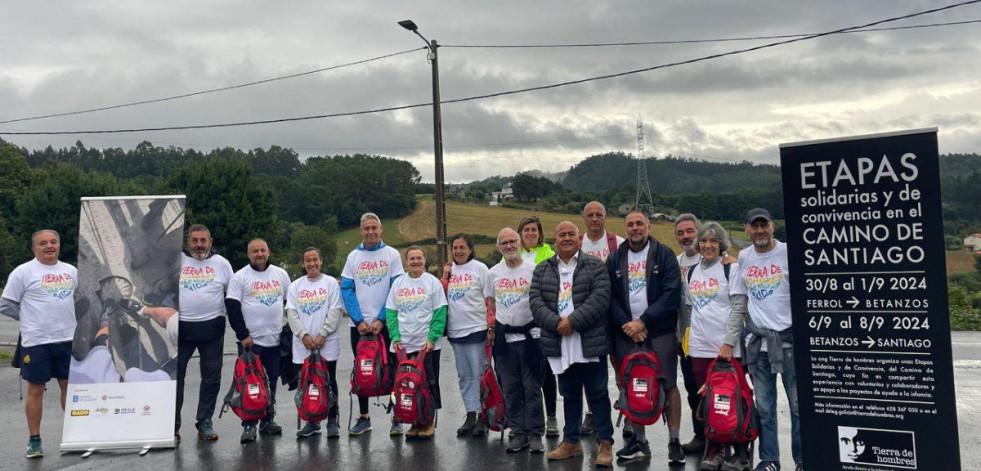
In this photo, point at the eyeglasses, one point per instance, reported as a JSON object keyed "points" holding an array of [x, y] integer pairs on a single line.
{"points": [[505, 243]]}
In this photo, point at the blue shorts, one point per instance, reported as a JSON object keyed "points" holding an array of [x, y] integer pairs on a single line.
{"points": [[42, 362]]}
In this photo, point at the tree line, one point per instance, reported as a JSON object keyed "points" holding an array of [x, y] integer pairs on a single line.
{"points": [[238, 194]]}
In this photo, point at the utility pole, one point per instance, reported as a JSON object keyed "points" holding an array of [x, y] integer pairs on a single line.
{"points": [[440, 195]]}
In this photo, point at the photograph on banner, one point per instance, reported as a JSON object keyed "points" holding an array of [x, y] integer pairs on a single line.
{"points": [[126, 305]]}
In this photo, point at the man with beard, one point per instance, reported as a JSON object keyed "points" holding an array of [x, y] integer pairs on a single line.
{"points": [[516, 351], [646, 285], [764, 278], [255, 300], [201, 324]]}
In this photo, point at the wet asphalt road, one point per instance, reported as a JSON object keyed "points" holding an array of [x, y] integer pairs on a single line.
{"points": [[376, 450]]}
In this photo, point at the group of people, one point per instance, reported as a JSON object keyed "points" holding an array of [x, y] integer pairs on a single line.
{"points": [[549, 319]]}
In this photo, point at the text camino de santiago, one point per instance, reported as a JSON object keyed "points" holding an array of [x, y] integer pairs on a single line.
{"points": [[856, 173]]}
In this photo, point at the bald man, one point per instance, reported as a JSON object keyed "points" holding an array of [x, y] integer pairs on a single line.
{"points": [[570, 296]]}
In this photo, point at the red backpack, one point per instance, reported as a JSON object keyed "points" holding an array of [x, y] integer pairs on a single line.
{"points": [[642, 397], [248, 395], [314, 398], [727, 406], [492, 405], [414, 401], [371, 375]]}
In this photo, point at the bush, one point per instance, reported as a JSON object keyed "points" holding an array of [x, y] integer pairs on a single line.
{"points": [[965, 318]]}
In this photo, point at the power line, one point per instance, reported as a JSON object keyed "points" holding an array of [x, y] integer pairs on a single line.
{"points": [[693, 41], [213, 90], [498, 94]]}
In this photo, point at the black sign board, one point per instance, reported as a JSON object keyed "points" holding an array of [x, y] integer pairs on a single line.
{"points": [[869, 297]]}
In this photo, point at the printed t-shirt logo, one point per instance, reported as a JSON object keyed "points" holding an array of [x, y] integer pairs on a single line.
{"points": [[565, 296], [459, 286], [510, 291], [703, 292], [59, 286], [370, 273], [636, 275], [600, 254], [409, 299], [310, 301], [266, 292], [763, 281], [193, 279]]}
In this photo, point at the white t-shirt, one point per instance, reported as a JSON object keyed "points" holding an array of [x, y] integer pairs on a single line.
{"points": [[312, 299], [510, 289], [571, 345], [708, 293], [262, 294], [764, 278], [637, 280], [202, 287], [372, 271], [415, 300], [599, 249], [466, 310], [685, 262], [46, 294]]}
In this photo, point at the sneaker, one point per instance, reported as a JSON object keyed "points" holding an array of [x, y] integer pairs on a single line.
{"points": [[695, 447], [587, 428], [270, 427], [397, 430], [734, 463], [333, 428], [248, 434], [206, 431], [535, 445], [713, 461], [479, 430], [309, 430], [511, 434], [551, 427], [520, 442], [798, 466], [768, 466], [675, 454], [634, 450], [426, 431], [413, 431], [469, 422], [34, 447], [361, 426]]}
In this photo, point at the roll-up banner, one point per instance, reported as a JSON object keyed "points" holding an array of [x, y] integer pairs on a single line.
{"points": [[122, 383], [869, 298]]}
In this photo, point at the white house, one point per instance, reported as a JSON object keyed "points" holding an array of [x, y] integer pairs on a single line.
{"points": [[973, 242]]}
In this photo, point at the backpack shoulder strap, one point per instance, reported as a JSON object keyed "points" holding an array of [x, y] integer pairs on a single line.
{"points": [[727, 269], [611, 241]]}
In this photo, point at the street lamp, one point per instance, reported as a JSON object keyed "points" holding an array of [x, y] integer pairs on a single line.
{"points": [[438, 144]]}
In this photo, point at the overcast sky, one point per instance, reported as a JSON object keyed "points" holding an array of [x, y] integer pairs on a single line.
{"points": [[59, 56]]}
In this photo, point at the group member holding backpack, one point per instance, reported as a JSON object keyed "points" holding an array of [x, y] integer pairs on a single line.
{"points": [[416, 317], [314, 311], [469, 326], [366, 279], [255, 299], [709, 303], [570, 297], [764, 278], [517, 355], [646, 286]]}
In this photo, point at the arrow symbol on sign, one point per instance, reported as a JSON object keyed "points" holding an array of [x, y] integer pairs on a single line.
{"points": [[853, 302], [869, 343]]}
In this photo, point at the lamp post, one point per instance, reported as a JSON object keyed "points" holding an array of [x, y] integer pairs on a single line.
{"points": [[438, 144]]}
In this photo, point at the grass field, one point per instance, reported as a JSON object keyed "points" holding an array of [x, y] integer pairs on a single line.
{"points": [[960, 261]]}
